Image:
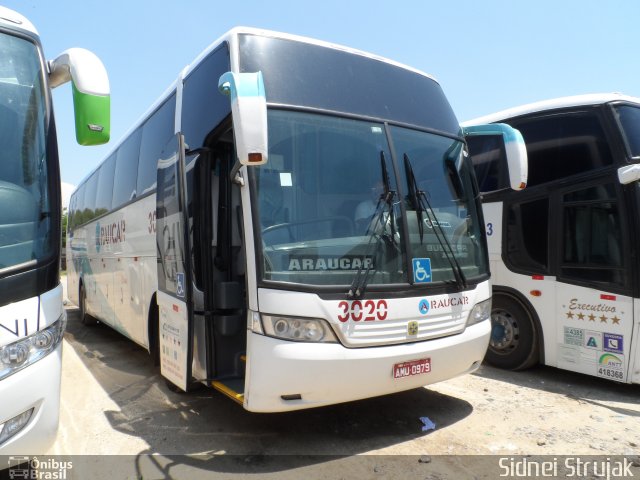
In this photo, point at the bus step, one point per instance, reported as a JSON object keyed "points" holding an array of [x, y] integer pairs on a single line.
{"points": [[232, 388]]}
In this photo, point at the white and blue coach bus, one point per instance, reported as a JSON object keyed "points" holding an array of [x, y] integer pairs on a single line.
{"points": [[294, 223]]}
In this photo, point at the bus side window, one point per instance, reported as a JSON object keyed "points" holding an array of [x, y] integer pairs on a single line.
{"points": [[104, 196], [124, 184], [560, 146], [527, 247], [592, 235], [156, 132]]}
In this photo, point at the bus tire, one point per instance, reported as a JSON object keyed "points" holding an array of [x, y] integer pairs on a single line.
{"points": [[86, 319], [514, 336], [154, 333]]}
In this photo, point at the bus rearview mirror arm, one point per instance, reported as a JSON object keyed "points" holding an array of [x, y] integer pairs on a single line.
{"points": [[514, 147], [249, 115], [91, 94]]}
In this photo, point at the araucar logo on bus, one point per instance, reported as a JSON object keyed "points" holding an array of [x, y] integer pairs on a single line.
{"points": [[110, 234]]}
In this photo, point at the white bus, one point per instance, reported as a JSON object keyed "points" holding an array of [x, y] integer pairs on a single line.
{"points": [[315, 240], [564, 256], [32, 318]]}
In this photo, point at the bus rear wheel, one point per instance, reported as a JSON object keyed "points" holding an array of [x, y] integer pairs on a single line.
{"points": [[514, 337], [85, 318]]}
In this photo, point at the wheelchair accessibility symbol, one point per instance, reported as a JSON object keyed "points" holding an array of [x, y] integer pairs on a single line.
{"points": [[180, 284], [421, 270]]}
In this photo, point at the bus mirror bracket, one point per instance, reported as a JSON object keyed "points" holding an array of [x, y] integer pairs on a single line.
{"points": [[249, 114], [514, 147], [91, 93], [629, 174]]}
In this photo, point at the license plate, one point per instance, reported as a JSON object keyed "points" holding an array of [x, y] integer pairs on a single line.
{"points": [[414, 367]]}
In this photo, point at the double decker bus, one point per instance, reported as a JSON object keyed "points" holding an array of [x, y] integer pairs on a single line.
{"points": [[293, 223], [32, 318], [564, 253]]}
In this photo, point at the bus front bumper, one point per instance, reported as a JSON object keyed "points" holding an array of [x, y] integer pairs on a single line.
{"points": [[36, 387], [284, 375]]}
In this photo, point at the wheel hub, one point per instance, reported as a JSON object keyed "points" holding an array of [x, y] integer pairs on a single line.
{"points": [[504, 331]]}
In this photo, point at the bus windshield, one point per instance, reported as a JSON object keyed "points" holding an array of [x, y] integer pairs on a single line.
{"points": [[25, 225], [335, 200], [630, 121]]}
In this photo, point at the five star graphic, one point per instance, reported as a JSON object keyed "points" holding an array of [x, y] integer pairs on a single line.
{"points": [[615, 320]]}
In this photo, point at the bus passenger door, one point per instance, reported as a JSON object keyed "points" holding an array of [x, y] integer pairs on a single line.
{"points": [[594, 304], [219, 303], [174, 275]]}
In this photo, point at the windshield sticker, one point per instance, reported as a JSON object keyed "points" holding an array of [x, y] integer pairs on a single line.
{"points": [[421, 270], [326, 262], [285, 179]]}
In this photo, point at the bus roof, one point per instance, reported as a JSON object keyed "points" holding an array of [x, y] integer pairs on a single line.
{"points": [[556, 103], [15, 20], [231, 37], [234, 32]]}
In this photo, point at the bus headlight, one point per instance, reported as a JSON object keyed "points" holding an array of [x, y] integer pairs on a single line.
{"points": [[479, 313], [298, 329], [28, 350]]}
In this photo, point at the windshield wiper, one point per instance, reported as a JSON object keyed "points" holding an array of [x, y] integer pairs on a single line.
{"points": [[378, 222], [420, 202]]}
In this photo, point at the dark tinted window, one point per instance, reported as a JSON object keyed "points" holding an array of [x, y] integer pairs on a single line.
{"points": [[89, 203], [156, 132], [75, 207], [203, 107], [297, 73], [592, 236], [105, 186], [630, 121], [124, 183], [489, 161], [559, 146], [527, 235]]}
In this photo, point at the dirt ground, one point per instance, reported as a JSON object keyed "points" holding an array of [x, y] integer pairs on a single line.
{"points": [[115, 403]]}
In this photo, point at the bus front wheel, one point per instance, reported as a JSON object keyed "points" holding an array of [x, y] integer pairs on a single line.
{"points": [[514, 337]]}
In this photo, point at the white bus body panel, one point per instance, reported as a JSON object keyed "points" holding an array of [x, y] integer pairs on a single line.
{"points": [[329, 373], [115, 257], [36, 386], [584, 330], [325, 374]]}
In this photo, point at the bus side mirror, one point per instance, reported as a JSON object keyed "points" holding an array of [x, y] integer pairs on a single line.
{"points": [[515, 149], [91, 94], [249, 112], [629, 174]]}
